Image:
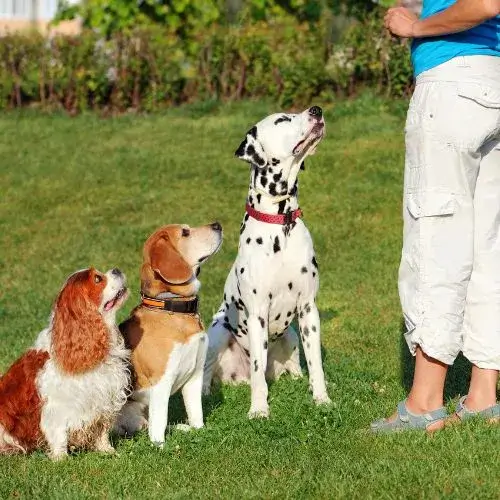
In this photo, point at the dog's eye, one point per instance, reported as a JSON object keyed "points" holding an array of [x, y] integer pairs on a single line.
{"points": [[97, 278], [186, 232]]}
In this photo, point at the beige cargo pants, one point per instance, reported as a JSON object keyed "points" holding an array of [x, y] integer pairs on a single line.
{"points": [[449, 277]]}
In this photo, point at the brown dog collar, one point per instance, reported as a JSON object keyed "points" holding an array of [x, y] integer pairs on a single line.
{"points": [[171, 305]]}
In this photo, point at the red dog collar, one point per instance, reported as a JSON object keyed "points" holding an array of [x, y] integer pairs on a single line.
{"points": [[282, 219]]}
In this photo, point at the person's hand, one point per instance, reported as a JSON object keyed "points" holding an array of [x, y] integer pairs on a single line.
{"points": [[401, 22]]}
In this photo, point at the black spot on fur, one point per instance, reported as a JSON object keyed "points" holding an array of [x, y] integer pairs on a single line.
{"points": [[305, 331], [250, 150], [313, 328], [259, 240], [247, 352], [242, 270], [293, 191], [314, 262], [272, 189], [253, 132], [245, 322], [283, 187], [308, 308], [281, 206], [259, 196], [254, 291], [228, 327], [274, 162], [283, 118], [270, 296], [314, 274], [277, 177], [233, 376], [255, 365], [290, 285], [241, 149], [242, 228], [263, 180], [265, 344], [308, 345], [249, 240], [287, 323], [276, 246], [303, 270], [302, 166], [247, 216], [277, 317], [262, 322], [288, 314], [226, 319]]}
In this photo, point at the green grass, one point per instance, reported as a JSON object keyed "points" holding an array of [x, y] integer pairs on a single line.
{"points": [[86, 191]]}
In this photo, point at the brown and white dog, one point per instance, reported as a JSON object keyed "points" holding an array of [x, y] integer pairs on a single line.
{"points": [[68, 388], [164, 333]]}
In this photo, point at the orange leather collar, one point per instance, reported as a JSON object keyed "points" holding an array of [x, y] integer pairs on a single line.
{"points": [[171, 305]]}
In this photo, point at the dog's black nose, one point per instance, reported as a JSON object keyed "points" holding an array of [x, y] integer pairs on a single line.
{"points": [[116, 271], [315, 111], [216, 226]]}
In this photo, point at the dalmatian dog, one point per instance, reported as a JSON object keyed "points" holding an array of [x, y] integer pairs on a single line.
{"points": [[275, 275]]}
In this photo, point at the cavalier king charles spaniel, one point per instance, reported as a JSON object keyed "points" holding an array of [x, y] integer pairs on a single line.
{"points": [[67, 389]]}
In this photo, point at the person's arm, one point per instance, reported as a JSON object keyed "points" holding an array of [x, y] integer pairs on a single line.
{"points": [[460, 16]]}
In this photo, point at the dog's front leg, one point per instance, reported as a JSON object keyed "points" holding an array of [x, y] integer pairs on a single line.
{"points": [[310, 334], [191, 392], [102, 442], [258, 338], [54, 428], [159, 396]]}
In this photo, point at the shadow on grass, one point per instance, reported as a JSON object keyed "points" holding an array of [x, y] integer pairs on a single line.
{"points": [[457, 379], [177, 412]]}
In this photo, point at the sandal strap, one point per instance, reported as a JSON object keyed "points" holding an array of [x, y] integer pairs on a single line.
{"points": [[407, 420], [464, 413]]}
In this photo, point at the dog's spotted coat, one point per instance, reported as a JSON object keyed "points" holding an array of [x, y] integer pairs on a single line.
{"points": [[275, 275]]}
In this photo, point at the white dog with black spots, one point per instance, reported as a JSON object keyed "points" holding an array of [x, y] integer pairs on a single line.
{"points": [[275, 275]]}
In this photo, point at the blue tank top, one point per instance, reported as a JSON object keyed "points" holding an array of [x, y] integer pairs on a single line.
{"points": [[427, 53]]}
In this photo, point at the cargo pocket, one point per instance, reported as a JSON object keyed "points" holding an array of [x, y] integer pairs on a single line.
{"points": [[484, 95], [431, 204]]}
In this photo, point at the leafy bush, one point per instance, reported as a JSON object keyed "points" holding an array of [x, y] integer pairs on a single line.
{"points": [[150, 67]]}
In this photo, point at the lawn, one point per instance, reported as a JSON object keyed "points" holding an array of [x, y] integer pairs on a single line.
{"points": [[87, 191]]}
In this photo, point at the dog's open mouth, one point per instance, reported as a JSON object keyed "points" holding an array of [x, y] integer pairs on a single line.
{"points": [[311, 139], [116, 300]]}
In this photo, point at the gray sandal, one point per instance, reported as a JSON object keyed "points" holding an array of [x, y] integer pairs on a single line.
{"points": [[405, 420], [463, 413]]}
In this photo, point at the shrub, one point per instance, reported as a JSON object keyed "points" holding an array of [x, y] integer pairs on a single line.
{"points": [[149, 67]]}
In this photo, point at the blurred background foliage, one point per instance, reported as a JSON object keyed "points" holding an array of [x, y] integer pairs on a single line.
{"points": [[151, 54]]}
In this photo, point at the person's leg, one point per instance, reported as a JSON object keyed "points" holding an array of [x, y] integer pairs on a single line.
{"points": [[437, 256], [427, 390], [482, 315]]}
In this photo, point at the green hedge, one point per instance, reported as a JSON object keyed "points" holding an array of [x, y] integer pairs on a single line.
{"points": [[150, 69]]}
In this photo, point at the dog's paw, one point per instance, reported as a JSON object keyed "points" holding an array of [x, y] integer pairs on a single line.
{"points": [[58, 456], [255, 413], [158, 444], [296, 373], [183, 427], [106, 448], [322, 399]]}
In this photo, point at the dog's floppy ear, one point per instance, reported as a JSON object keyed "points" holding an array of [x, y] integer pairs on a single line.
{"points": [[168, 262], [251, 150]]}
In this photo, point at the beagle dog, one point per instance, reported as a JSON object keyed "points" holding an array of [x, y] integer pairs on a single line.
{"points": [[164, 333]]}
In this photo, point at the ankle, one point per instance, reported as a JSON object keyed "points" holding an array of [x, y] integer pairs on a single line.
{"points": [[478, 402], [418, 406]]}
